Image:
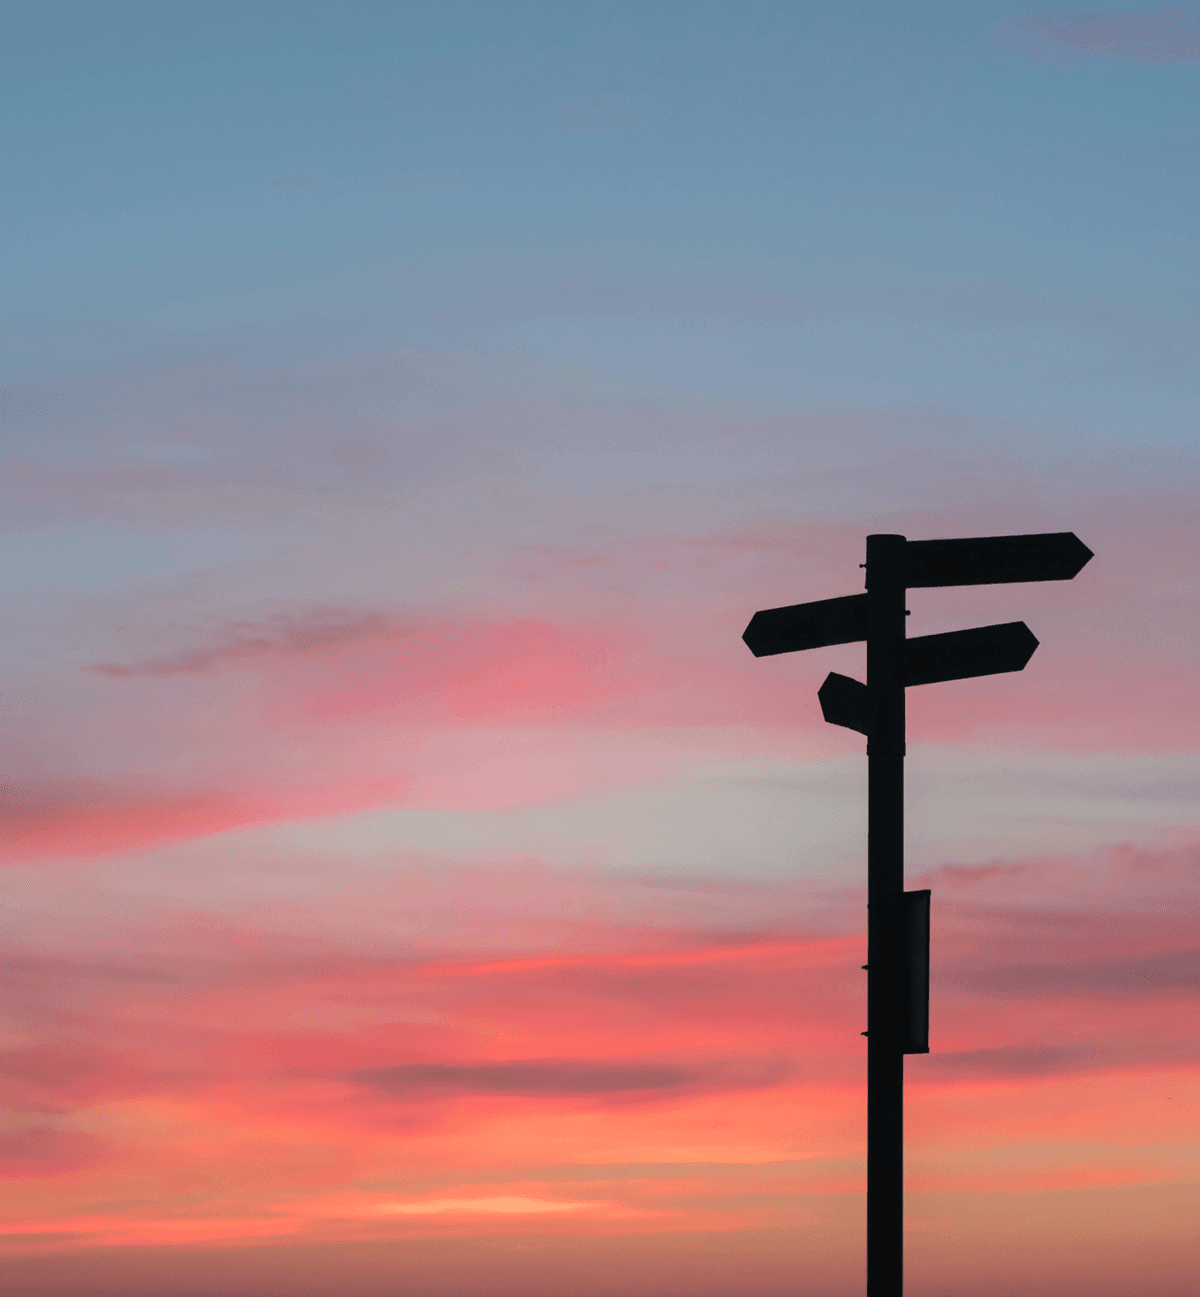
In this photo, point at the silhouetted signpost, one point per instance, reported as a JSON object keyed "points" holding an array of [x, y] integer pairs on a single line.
{"points": [[898, 921]]}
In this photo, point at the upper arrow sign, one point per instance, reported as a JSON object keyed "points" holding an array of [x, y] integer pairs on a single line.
{"points": [[991, 560], [807, 625], [960, 654]]}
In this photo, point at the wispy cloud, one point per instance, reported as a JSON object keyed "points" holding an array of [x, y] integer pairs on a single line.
{"points": [[976, 304], [88, 817], [283, 635], [505, 1206], [430, 183], [303, 180], [1176, 972], [69, 816], [600, 115], [1038, 1060], [1164, 34], [549, 1078], [37, 1151]]}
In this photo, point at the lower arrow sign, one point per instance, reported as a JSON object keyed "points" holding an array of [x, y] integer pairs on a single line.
{"points": [[960, 654], [844, 702]]}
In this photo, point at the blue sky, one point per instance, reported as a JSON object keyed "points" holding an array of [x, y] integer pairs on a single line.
{"points": [[819, 203]]}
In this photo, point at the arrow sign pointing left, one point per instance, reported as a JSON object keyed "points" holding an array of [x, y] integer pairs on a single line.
{"points": [[807, 625], [960, 654]]}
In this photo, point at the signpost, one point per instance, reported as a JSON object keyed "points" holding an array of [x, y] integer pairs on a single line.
{"points": [[898, 921]]}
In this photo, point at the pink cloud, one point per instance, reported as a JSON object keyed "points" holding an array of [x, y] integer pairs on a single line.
{"points": [[91, 818], [65, 817], [483, 674]]}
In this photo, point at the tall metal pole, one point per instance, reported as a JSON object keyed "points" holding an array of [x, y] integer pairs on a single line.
{"points": [[886, 957]]}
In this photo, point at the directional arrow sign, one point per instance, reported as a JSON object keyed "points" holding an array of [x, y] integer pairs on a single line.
{"points": [[991, 560], [844, 702], [807, 625], [982, 651]]}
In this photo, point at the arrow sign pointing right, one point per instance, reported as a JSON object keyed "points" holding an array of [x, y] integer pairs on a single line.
{"points": [[960, 654], [994, 560]]}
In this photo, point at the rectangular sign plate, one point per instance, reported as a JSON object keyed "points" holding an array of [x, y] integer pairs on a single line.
{"points": [[960, 654], [916, 916], [993, 560], [807, 625]]}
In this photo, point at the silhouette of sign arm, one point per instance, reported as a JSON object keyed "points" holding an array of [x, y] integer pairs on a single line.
{"points": [[807, 625], [960, 654], [993, 560], [844, 702]]}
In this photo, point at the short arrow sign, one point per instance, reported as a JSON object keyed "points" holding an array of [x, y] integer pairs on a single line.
{"points": [[982, 651], [992, 560], [844, 702], [807, 625], [958, 655]]}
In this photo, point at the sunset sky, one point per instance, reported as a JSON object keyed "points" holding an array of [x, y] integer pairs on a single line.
{"points": [[413, 887]]}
